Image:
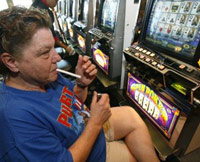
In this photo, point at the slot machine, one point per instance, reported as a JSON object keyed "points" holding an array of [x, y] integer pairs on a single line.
{"points": [[62, 14], [59, 7], [162, 78], [72, 7], [109, 37], [84, 23]]}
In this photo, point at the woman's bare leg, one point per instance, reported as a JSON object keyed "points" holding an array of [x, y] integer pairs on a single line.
{"points": [[127, 124]]}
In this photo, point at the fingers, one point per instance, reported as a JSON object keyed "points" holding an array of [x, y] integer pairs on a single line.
{"points": [[91, 70], [80, 60], [88, 67], [83, 61], [94, 98], [103, 100], [100, 110], [86, 58]]}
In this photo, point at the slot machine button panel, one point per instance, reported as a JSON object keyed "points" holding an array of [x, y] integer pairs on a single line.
{"points": [[161, 67], [137, 54], [127, 50], [137, 48], [154, 63], [144, 51], [142, 56], [189, 70], [148, 53], [152, 54], [131, 50], [134, 46], [148, 60], [182, 66], [141, 49]]}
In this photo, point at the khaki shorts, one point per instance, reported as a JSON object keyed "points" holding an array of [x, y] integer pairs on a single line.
{"points": [[116, 151]]}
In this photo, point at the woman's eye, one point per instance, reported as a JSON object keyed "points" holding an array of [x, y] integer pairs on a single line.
{"points": [[45, 54]]}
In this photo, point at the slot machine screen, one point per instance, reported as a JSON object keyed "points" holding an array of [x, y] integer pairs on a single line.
{"points": [[173, 27], [81, 42], [70, 28], [160, 111], [108, 16], [71, 32], [100, 58], [70, 20]]}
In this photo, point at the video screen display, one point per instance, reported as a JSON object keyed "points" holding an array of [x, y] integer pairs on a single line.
{"points": [[109, 14], [160, 111], [175, 25], [71, 32], [81, 42], [101, 59], [69, 27]]}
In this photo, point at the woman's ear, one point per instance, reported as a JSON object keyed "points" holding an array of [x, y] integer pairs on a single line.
{"points": [[9, 61]]}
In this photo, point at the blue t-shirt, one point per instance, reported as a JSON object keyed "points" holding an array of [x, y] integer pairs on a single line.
{"points": [[37, 126]]}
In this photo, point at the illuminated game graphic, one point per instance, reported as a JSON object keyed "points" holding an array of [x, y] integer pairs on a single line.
{"points": [[175, 25], [81, 42], [179, 87], [109, 14], [69, 26], [71, 32], [158, 110], [101, 59]]}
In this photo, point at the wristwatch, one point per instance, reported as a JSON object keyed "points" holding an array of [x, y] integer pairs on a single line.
{"points": [[81, 85]]}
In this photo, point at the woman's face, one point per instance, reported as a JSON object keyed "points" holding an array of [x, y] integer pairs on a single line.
{"points": [[37, 64]]}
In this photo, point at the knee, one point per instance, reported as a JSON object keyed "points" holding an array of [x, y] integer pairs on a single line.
{"points": [[130, 111], [133, 116]]}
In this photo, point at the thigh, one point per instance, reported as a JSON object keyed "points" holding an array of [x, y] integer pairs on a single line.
{"points": [[117, 151], [124, 120]]}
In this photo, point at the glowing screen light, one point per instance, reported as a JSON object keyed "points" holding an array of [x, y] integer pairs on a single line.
{"points": [[158, 110], [81, 42], [71, 33], [69, 26], [101, 59], [175, 26]]}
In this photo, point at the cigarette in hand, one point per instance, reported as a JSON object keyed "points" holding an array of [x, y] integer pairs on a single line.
{"points": [[68, 73]]}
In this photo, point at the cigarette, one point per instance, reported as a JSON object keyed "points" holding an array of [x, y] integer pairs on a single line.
{"points": [[68, 73]]}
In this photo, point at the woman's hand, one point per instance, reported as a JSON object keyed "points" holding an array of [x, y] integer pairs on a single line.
{"points": [[86, 70], [100, 109]]}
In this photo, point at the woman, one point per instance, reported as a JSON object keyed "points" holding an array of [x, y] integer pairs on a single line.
{"points": [[42, 115]]}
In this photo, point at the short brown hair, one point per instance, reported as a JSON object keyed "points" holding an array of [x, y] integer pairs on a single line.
{"points": [[17, 27]]}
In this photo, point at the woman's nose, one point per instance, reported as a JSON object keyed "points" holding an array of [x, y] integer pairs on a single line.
{"points": [[56, 57]]}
